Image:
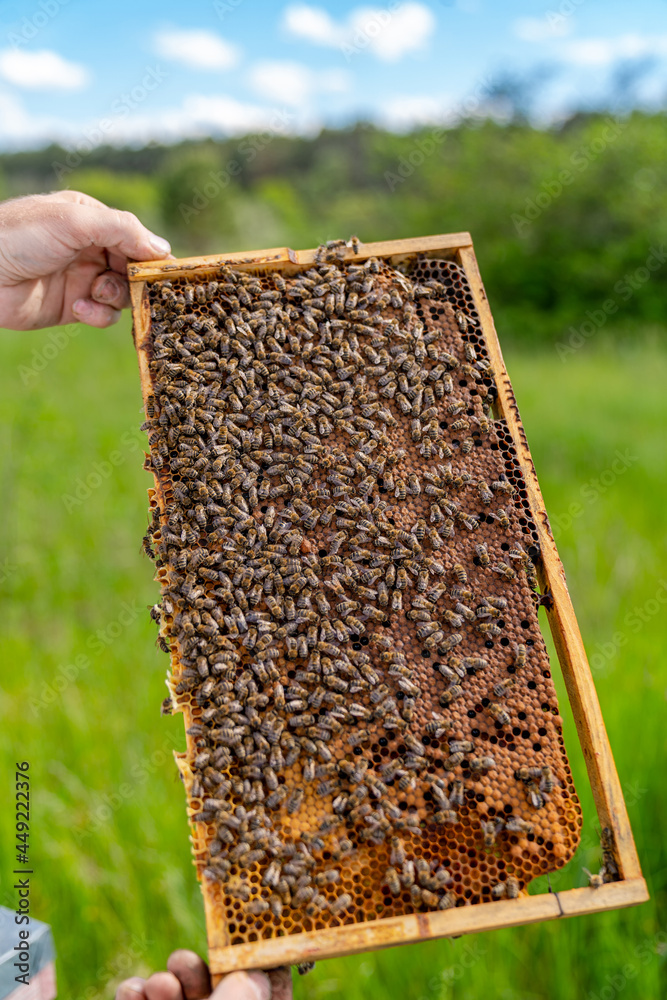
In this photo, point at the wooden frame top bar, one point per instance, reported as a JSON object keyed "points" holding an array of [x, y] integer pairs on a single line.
{"points": [[282, 257]]}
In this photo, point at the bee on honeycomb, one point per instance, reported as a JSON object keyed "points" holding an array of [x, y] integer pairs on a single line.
{"points": [[345, 553]]}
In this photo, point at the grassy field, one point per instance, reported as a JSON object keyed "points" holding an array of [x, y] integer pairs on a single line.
{"points": [[83, 680]]}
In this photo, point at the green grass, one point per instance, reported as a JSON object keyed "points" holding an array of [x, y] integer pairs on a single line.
{"points": [[109, 840]]}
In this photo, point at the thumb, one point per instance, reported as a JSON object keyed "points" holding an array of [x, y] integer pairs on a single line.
{"points": [[243, 986], [85, 225]]}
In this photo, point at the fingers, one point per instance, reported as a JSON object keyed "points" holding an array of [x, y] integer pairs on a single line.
{"points": [[188, 979], [243, 986], [281, 983], [76, 196], [86, 225], [163, 986], [95, 313], [192, 973], [131, 989], [110, 289]]}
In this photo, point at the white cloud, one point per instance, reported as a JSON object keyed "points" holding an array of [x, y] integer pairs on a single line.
{"points": [[294, 84], [231, 117], [19, 127], [403, 113], [41, 70], [286, 81], [541, 29], [311, 23], [388, 33], [196, 48], [606, 51], [392, 34], [196, 116]]}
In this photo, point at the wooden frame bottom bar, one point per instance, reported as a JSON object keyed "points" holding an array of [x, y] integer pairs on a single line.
{"points": [[387, 933]]}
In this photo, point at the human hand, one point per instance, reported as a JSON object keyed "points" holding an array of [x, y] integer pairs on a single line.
{"points": [[63, 258], [188, 979]]}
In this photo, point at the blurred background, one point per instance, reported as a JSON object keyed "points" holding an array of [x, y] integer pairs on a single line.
{"points": [[240, 124]]}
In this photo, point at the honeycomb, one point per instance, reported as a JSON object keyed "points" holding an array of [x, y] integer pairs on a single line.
{"points": [[347, 560]]}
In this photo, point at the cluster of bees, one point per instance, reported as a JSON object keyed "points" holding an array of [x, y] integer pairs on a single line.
{"points": [[308, 571], [609, 870]]}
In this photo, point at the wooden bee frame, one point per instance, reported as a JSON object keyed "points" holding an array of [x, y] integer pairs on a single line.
{"points": [[351, 938]]}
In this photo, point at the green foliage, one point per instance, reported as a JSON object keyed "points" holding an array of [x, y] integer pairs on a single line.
{"points": [[128, 191], [84, 681], [195, 192], [564, 220]]}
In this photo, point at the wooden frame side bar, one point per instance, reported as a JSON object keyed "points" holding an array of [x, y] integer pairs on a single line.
{"points": [[283, 257], [581, 691]]}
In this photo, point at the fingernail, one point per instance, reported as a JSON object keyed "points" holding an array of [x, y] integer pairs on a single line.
{"points": [[260, 984], [81, 307], [160, 245], [107, 289], [134, 985]]}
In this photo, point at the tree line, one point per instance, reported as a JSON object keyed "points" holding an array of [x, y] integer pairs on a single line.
{"points": [[568, 222]]}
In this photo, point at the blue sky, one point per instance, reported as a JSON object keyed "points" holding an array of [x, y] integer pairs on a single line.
{"points": [[141, 70]]}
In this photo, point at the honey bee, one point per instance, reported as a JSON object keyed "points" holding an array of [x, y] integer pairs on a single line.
{"points": [[397, 852], [430, 899], [453, 692], [512, 887], [520, 656], [502, 518], [460, 574], [453, 761], [594, 880], [488, 628], [256, 907], [437, 727], [414, 484], [482, 554], [490, 830], [408, 873], [498, 713], [502, 486], [485, 494], [341, 903], [547, 781], [474, 663], [504, 570], [503, 688], [482, 763], [461, 594], [446, 816], [238, 890], [535, 797], [392, 881], [514, 824], [329, 877], [609, 863], [528, 774], [456, 797]]}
